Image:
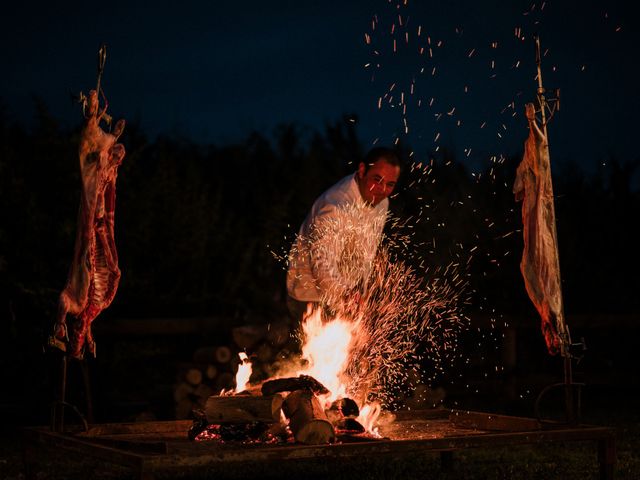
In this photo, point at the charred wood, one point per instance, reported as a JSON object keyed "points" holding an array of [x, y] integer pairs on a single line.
{"points": [[303, 382], [346, 407], [348, 426]]}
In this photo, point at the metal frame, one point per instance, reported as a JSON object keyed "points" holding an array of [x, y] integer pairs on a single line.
{"points": [[152, 448]]}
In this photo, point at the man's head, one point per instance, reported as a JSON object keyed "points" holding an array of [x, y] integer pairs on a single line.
{"points": [[378, 174]]}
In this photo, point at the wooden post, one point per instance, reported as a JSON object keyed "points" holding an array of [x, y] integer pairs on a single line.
{"points": [[84, 367], [57, 411], [607, 457], [571, 414]]}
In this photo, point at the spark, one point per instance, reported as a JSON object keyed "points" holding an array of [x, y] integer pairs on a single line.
{"points": [[400, 317]]}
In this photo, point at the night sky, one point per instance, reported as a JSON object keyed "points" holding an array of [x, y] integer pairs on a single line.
{"points": [[213, 71]]}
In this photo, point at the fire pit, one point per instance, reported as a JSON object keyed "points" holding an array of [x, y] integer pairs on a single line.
{"points": [[164, 447]]}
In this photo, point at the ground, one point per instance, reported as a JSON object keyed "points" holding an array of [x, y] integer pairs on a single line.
{"points": [[566, 461]]}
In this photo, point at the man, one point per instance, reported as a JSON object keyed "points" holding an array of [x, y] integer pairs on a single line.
{"points": [[336, 245]]}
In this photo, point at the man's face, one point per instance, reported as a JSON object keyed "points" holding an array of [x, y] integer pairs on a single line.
{"points": [[378, 182]]}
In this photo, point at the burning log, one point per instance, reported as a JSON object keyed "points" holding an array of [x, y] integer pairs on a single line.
{"points": [[303, 382], [342, 415], [347, 407], [348, 426], [243, 409], [307, 419]]}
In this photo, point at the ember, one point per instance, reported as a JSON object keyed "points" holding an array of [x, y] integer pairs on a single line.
{"points": [[383, 335]]}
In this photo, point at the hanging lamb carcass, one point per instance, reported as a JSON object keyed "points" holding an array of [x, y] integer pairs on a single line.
{"points": [[94, 274]]}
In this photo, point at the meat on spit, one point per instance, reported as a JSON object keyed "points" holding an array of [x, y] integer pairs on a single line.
{"points": [[94, 274]]}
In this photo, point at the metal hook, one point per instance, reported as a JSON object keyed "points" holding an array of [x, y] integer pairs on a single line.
{"points": [[102, 59]]}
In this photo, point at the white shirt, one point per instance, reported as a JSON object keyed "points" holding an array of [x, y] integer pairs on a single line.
{"points": [[336, 244]]}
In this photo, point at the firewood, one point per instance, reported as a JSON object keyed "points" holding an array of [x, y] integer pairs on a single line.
{"points": [[183, 390], [223, 354], [348, 425], [307, 419], [251, 390], [203, 392], [184, 408], [293, 383], [194, 376], [211, 371], [205, 355], [346, 407], [243, 409]]}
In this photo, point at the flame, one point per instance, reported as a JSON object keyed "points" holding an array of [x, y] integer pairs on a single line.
{"points": [[244, 373], [326, 349], [368, 416]]}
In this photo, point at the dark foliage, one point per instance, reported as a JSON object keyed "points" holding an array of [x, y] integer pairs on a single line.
{"points": [[196, 225]]}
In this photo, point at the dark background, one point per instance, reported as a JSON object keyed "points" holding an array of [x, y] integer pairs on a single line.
{"points": [[238, 117]]}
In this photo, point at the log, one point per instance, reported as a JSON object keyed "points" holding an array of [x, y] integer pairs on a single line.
{"points": [[243, 409], [183, 390], [194, 376], [211, 371], [223, 354], [346, 407], [307, 419], [205, 355], [303, 382], [348, 425], [340, 411], [184, 408], [203, 392]]}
